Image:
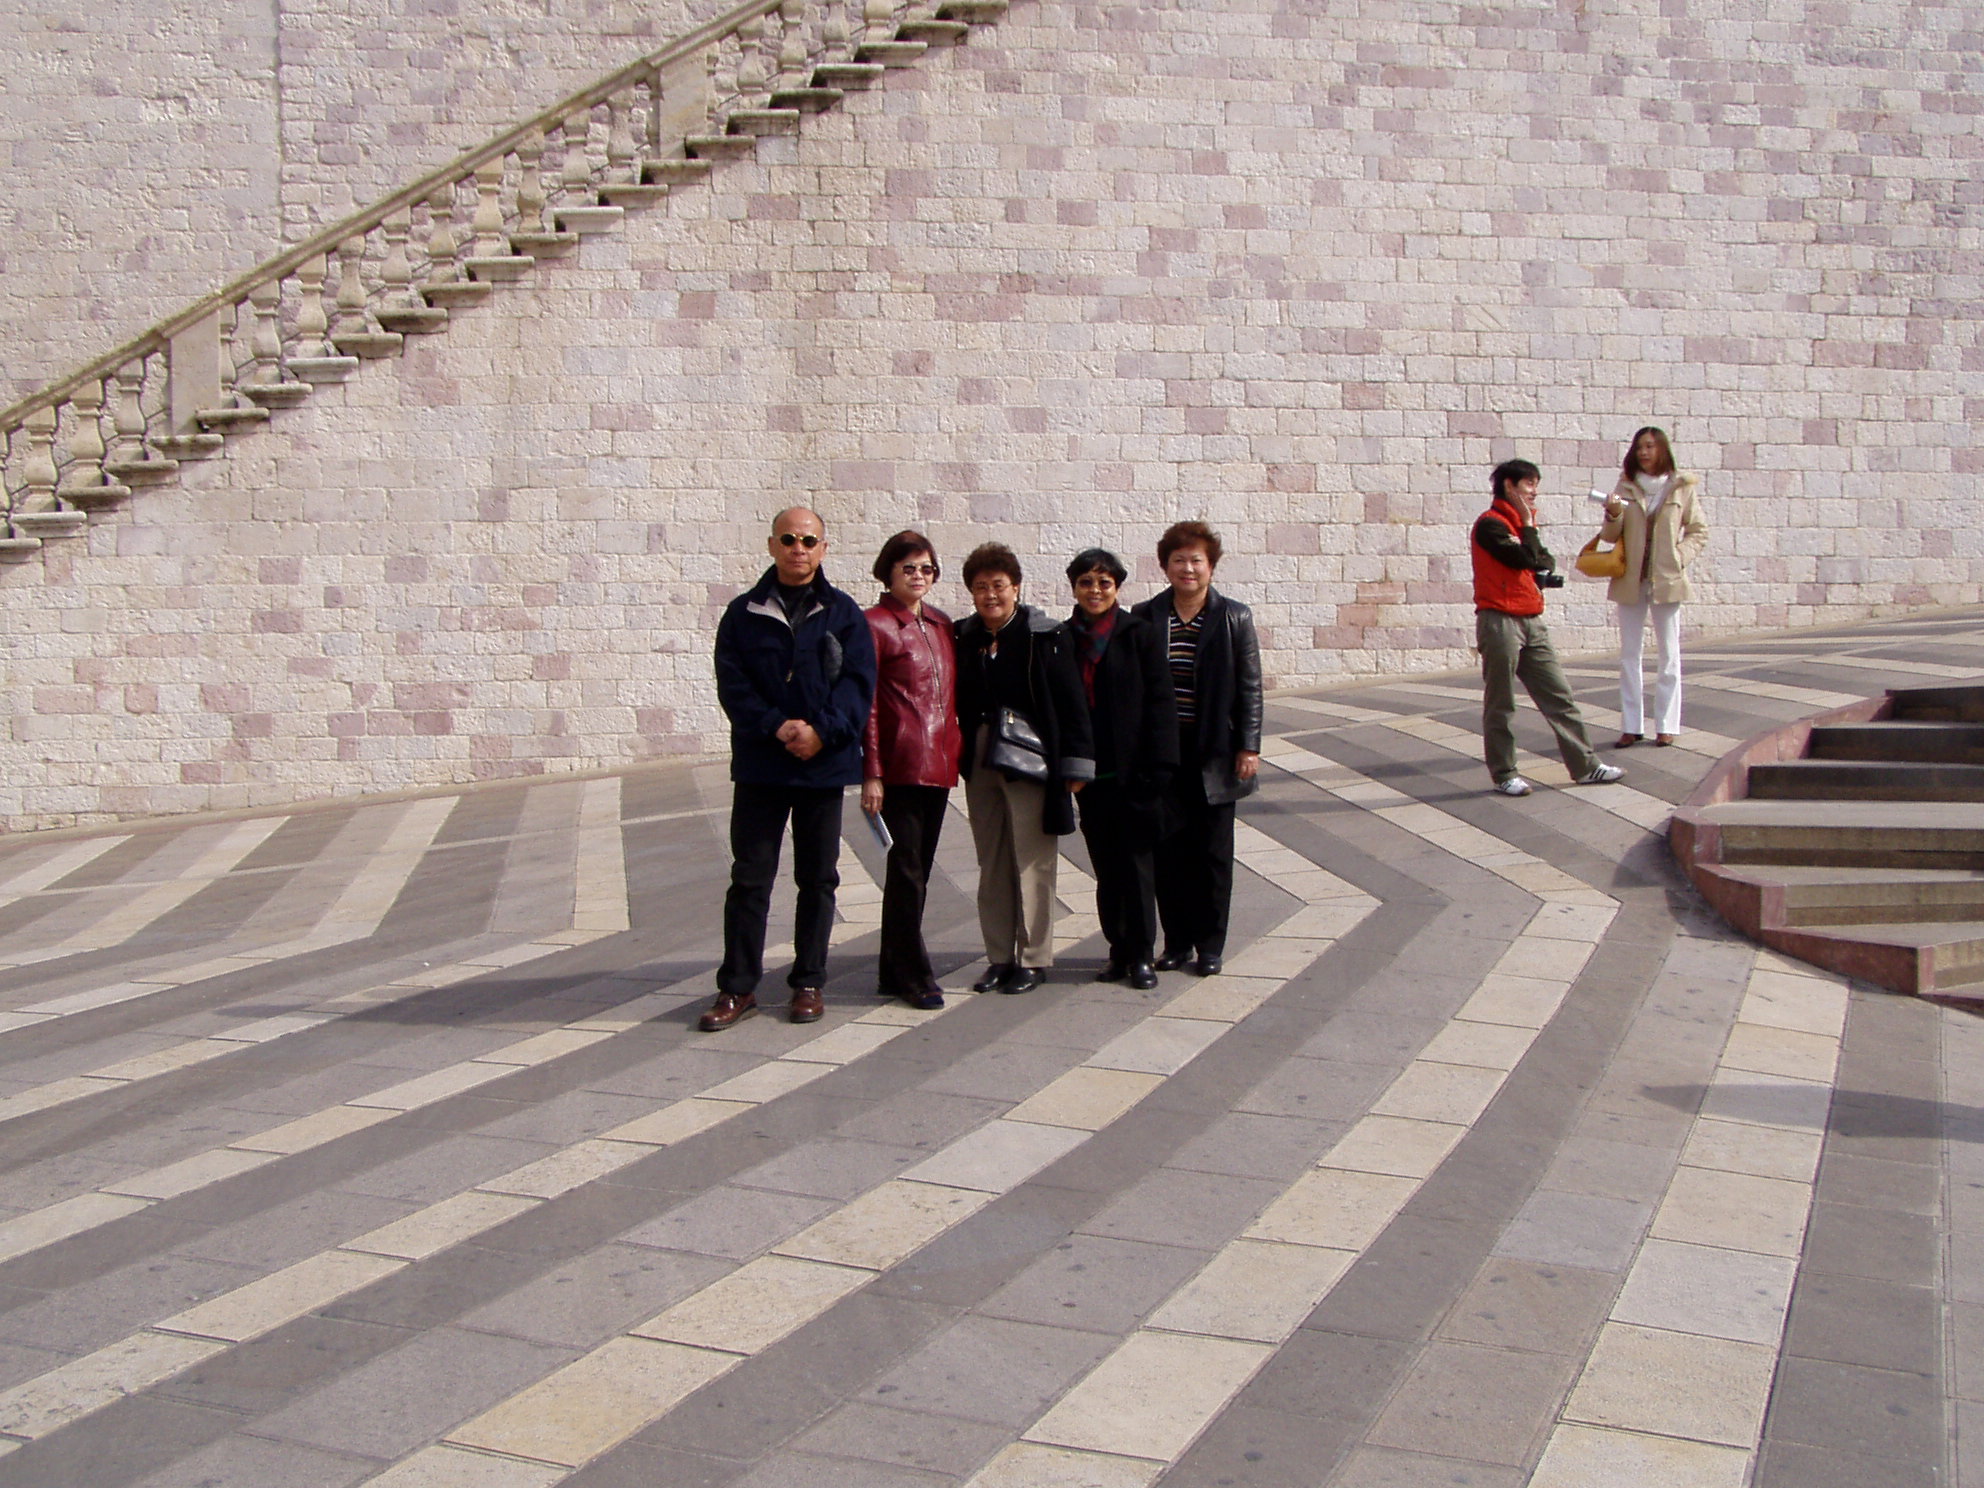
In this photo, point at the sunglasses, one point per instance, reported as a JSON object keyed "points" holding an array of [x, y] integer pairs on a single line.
{"points": [[807, 540], [911, 570]]}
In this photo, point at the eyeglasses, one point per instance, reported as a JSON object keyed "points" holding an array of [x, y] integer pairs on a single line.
{"points": [[913, 570], [1095, 581], [807, 540]]}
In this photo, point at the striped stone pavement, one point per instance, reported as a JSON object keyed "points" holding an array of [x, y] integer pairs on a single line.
{"points": [[372, 1142]]}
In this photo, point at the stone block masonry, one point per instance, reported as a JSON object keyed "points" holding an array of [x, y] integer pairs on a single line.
{"points": [[1102, 267]]}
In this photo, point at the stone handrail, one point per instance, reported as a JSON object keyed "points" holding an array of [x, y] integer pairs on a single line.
{"points": [[265, 339]]}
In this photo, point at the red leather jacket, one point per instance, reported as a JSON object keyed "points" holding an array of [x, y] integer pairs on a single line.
{"points": [[913, 736]]}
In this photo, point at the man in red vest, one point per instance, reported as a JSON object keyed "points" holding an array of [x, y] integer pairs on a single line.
{"points": [[1512, 639]]}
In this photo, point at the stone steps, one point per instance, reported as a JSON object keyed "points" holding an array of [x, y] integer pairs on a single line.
{"points": [[1866, 780], [1920, 740], [464, 263], [1855, 840]]}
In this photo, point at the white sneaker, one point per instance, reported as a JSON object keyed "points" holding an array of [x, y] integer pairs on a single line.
{"points": [[1602, 775], [1515, 785]]}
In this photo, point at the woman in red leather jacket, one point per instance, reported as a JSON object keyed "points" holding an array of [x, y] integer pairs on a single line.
{"points": [[910, 761]]}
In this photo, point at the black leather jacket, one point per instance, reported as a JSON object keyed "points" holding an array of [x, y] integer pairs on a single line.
{"points": [[1227, 684]]}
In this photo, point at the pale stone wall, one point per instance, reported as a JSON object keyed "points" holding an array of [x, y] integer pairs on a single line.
{"points": [[154, 150], [1101, 268]]}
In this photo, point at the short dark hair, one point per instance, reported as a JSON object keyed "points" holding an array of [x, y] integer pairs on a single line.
{"points": [[1660, 440], [1097, 560], [1184, 535], [1510, 471], [992, 558], [905, 544]]}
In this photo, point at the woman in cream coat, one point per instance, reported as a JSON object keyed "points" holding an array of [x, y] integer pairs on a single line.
{"points": [[1655, 510]]}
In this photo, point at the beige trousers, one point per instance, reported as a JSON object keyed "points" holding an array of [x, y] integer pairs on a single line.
{"points": [[1016, 864]]}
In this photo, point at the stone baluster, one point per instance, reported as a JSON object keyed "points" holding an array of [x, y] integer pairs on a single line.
{"points": [[313, 359], [402, 310], [537, 231], [532, 218], [836, 43], [575, 173], [263, 383], [878, 18], [626, 184], [445, 285], [18, 542], [490, 239], [353, 332], [578, 209], [491, 258], [751, 63], [37, 514], [440, 237], [795, 51], [36, 510], [131, 461], [83, 485]]}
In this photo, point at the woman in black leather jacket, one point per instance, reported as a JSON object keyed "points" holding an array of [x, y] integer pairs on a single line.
{"points": [[1215, 665]]}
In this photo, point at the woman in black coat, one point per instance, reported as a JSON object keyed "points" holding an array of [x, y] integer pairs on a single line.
{"points": [[1215, 663], [1136, 750], [1017, 683]]}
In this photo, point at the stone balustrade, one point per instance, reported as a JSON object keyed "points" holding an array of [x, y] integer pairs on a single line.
{"points": [[316, 312]]}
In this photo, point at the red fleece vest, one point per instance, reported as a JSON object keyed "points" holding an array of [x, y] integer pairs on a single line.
{"points": [[1513, 591]]}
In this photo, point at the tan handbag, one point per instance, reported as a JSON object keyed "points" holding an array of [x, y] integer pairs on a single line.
{"points": [[1602, 563]]}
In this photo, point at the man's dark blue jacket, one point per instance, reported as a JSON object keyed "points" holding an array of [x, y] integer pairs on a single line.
{"points": [[820, 668]]}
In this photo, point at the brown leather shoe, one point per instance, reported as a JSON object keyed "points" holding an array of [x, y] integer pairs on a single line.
{"points": [[807, 1005], [1665, 741], [1627, 741], [729, 1008]]}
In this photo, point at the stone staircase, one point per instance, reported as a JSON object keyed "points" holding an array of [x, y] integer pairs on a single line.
{"points": [[1855, 840], [315, 313]]}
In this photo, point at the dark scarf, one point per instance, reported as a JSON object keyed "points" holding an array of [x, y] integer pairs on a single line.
{"points": [[1091, 640]]}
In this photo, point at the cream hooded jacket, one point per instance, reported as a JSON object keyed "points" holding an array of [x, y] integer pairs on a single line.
{"points": [[1659, 551]]}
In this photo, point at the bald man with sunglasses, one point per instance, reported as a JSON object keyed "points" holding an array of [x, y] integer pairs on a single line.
{"points": [[795, 672]]}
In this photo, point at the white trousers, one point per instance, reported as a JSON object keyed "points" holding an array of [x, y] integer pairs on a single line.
{"points": [[1667, 674]]}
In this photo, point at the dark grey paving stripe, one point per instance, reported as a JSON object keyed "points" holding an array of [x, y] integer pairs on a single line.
{"points": [[442, 901], [1318, 1397], [1859, 1394], [211, 915], [115, 864], [302, 839]]}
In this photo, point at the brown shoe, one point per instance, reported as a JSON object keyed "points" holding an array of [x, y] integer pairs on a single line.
{"points": [[1627, 741], [729, 1008], [1663, 740], [807, 1005]]}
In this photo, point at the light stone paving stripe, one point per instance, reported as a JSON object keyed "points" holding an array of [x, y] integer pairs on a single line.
{"points": [[1884, 664], [1809, 697], [600, 893], [149, 904], [1673, 1395]]}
